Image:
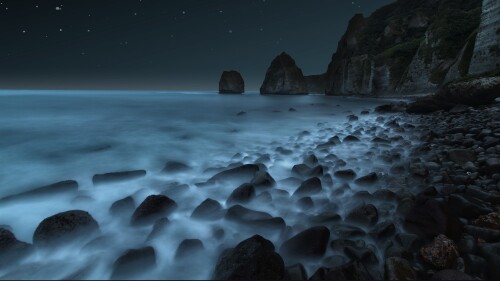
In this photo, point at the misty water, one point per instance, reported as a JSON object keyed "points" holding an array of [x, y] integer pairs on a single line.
{"points": [[51, 136]]}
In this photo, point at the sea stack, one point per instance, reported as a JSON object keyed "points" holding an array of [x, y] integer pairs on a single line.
{"points": [[284, 77], [231, 82]]}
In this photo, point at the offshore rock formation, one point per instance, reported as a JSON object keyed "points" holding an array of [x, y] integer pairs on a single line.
{"points": [[231, 82], [284, 77], [415, 46]]}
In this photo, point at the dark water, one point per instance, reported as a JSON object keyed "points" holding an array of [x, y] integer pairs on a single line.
{"points": [[47, 137]]}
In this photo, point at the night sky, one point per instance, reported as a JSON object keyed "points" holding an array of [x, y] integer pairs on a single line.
{"points": [[164, 44]]}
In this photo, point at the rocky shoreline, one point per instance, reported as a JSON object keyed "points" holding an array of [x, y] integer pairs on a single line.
{"points": [[426, 207]]}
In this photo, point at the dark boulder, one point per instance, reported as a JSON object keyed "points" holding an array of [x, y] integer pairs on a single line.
{"points": [[133, 263], [11, 249], [69, 186], [159, 228], [365, 215], [442, 253], [243, 194], [399, 269], [231, 82], [189, 248], [153, 208], [491, 252], [123, 206], [255, 219], [354, 270], [263, 179], [252, 259], [64, 227], [208, 210], [350, 138], [175, 167], [283, 77], [345, 174], [296, 272], [243, 173], [369, 179], [117, 177], [309, 187], [451, 274], [310, 243]]}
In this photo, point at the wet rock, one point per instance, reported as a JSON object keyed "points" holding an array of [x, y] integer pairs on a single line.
{"points": [[348, 231], [383, 230], [133, 263], [399, 269], [251, 259], [189, 248], [409, 241], [175, 167], [159, 228], [254, 219], [362, 254], [345, 174], [301, 170], [309, 187], [352, 118], [369, 179], [263, 179], [11, 249], [208, 210], [310, 243], [64, 227], [296, 272], [493, 165], [491, 252], [243, 173], [464, 208], [429, 218], [385, 195], [476, 265], [117, 177], [243, 194], [442, 253], [123, 207], [153, 208], [491, 220], [350, 138], [305, 203], [69, 186], [311, 160], [365, 215], [462, 156], [486, 234], [354, 270], [450, 274], [231, 82]]}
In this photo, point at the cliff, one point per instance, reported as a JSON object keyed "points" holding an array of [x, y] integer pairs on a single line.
{"points": [[415, 46]]}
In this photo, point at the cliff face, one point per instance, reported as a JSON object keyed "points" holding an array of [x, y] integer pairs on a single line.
{"points": [[414, 46]]}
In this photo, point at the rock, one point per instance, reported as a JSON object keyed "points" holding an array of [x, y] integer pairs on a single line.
{"points": [[310, 243], [133, 263], [493, 165], [241, 113], [391, 108], [159, 228], [309, 187], [348, 231], [283, 77], [486, 234], [491, 252], [369, 179], [11, 249], [491, 220], [69, 186], [117, 177], [208, 210], [243, 173], [398, 269], [252, 259], [305, 203], [354, 270], [461, 156], [243, 194], [472, 93], [254, 219], [345, 174], [64, 227], [296, 272], [263, 180], [153, 208], [362, 254], [442, 253], [175, 167], [365, 215], [383, 230], [427, 105], [350, 138], [429, 218], [123, 206], [231, 82], [450, 274], [301, 170], [189, 248], [311, 160]]}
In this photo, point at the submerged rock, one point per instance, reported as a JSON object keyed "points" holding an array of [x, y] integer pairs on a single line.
{"points": [[175, 167], [231, 82], [64, 227], [123, 206], [188, 248], [133, 263], [117, 177], [153, 208], [251, 259], [283, 77]]}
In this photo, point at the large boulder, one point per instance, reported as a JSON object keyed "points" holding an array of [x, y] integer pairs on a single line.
{"points": [[474, 92], [251, 259], [442, 253], [134, 262], [310, 243], [64, 227], [284, 77], [208, 210], [231, 82], [153, 208]]}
